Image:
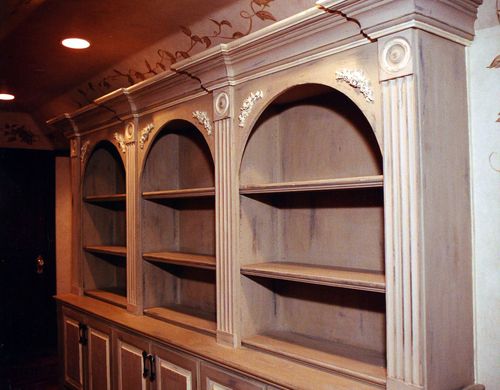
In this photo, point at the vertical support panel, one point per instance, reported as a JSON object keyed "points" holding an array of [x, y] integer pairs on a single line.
{"points": [[226, 209], [132, 210], [403, 224], [403, 235], [78, 155]]}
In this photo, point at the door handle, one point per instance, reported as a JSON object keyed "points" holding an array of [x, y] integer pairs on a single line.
{"points": [[145, 371], [40, 264], [152, 375]]}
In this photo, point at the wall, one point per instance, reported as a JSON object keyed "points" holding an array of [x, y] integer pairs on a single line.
{"points": [[484, 94], [63, 224]]}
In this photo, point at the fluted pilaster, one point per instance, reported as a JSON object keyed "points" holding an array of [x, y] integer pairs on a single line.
{"points": [[226, 191]]}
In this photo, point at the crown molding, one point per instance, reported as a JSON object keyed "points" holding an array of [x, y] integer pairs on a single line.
{"points": [[450, 19], [64, 124], [163, 90]]}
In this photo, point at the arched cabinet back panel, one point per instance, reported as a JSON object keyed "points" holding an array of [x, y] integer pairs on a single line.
{"points": [[178, 228], [104, 225], [312, 234]]}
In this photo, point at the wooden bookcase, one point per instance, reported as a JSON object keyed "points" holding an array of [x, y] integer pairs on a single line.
{"points": [[178, 228], [104, 226], [292, 207], [311, 234]]}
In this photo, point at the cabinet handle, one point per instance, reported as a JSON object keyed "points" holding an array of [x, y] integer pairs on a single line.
{"points": [[82, 332], [145, 371], [152, 375]]}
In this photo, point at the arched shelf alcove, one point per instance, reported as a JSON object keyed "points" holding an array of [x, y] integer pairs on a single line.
{"points": [[178, 228], [104, 225], [312, 234]]}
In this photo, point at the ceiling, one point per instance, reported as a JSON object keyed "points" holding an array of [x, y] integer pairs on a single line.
{"points": [[37, 68]]}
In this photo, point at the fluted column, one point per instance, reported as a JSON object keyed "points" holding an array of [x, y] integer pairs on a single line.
{"points": [[226, 209], [402, 214], [78, 154], [132, 210]]}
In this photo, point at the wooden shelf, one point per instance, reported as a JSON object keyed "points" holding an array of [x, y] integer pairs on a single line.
{"points": [[345, 359], [179, 194], [181, 258], [115, 296], [327, 276], [105, 198], [314, 185], [107, 250], [184, 316]]}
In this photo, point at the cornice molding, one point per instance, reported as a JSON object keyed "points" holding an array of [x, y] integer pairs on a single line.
{"points": [[330, 27], [449, 19], [163, 90]]}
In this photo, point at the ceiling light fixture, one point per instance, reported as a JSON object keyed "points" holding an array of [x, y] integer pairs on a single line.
{"points": [[75, 43], [6, 96]]}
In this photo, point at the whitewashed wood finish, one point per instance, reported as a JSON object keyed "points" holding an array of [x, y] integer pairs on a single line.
{"points": [[166, 365], [134, 261], [124, 347], [104, 338], [226, 189], [211, 385], [402, 234], [308, 48], [77, 383], [76, 237]]}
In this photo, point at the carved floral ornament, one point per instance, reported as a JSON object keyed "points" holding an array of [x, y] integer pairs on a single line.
{"points": [[202, 117], [145, 134], [247, 106], [72, 147], [83, 150], [356, 79], [121, 142]]}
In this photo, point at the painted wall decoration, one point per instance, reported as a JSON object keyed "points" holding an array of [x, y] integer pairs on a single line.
{"points": [[214, 31], [18, 130]]}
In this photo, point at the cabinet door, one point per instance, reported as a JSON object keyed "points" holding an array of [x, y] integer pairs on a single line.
{"points": [[72, 352], [99, 357], [215, 379], [130, 362], [174, 371]]}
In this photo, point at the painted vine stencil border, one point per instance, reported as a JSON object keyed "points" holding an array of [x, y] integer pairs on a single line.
{"points": [[223, 31]]}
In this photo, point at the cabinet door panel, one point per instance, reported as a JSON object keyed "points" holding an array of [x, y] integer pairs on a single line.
{"points": [[73, 353], [99, 360], [214, 379], [130, 364], [174, 371]]}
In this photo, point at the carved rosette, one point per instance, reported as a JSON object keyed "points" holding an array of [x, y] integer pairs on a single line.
{"points": [[247, 106], [222, 104], [83, 151], [145, 134], [356, 79], [202, 118], [396, 55]]}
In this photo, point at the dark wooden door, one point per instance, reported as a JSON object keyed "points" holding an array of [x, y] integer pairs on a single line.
{"points": [[27, 205]]}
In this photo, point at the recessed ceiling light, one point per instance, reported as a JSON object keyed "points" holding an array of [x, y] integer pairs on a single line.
{"points": [[6, 96], [75, 43]]}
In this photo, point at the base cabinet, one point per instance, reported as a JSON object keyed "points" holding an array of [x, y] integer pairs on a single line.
{"points": [[98, 356], [131, 363], [86, 352], [213, 378]]}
